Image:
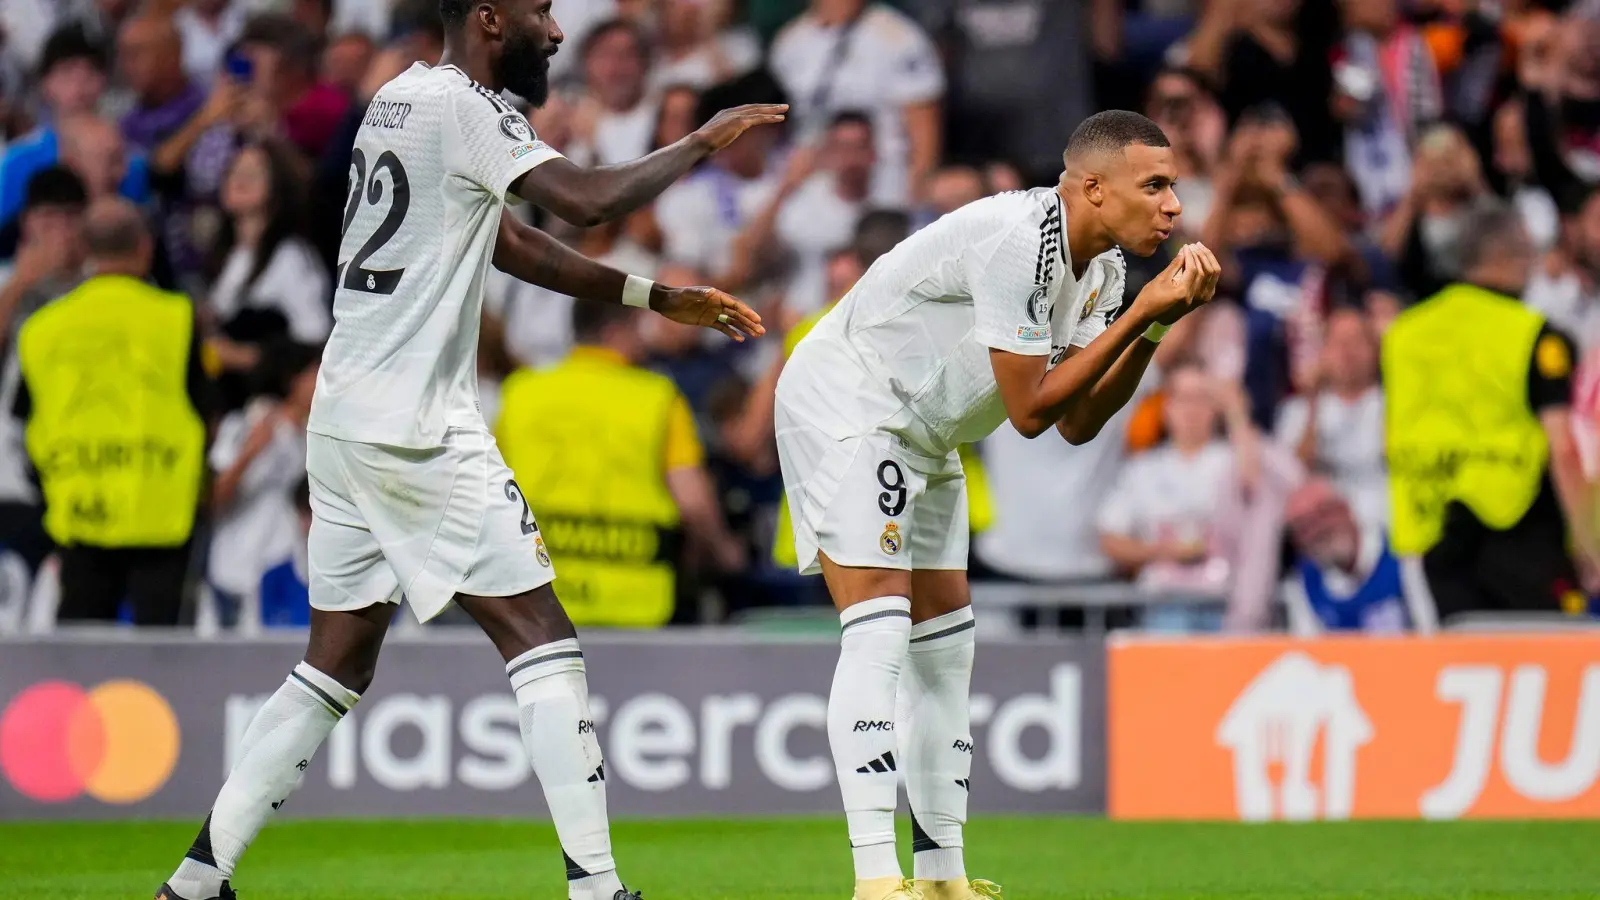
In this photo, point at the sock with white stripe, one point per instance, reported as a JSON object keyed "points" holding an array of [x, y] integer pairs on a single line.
{"points": [[553, 696], [273, 755], [939, 746], [861, 713]]}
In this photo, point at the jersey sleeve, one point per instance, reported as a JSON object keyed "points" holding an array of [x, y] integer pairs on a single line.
{"points": [[491, 145], [1009, 307], [1105, 305]]}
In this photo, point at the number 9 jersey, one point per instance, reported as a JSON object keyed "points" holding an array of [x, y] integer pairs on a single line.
{"points": [[432, 165]]}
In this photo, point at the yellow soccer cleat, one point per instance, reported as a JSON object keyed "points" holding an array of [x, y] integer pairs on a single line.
{"points": [[957, 889], [886, 889]]}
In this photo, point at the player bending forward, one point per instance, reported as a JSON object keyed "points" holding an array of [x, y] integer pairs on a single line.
{"points": [[996, 311], [410, 496]]}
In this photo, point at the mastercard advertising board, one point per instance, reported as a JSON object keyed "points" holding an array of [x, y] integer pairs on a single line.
{"points": [[1501, 726]]}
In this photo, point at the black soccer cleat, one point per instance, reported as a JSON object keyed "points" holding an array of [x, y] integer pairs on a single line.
{"points": [[167, 893], [626, 894]]}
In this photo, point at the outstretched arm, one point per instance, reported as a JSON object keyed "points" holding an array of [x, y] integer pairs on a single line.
{"points": [[588, 197], [530, 255]]}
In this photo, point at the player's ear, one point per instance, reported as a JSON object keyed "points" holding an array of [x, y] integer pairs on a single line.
{"points": [[489, 17], [1093, 187]]}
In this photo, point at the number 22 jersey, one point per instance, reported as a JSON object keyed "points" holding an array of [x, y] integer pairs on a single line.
{"points": [[432, 164]]}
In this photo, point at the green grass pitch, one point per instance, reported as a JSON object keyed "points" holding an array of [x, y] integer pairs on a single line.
{"points": [[807, 859]]}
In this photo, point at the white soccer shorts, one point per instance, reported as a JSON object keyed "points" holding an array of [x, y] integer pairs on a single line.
{"points": [[389, 522], [869, 500]]}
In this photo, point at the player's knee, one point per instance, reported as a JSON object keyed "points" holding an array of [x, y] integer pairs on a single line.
{"points": [[519, 623]]}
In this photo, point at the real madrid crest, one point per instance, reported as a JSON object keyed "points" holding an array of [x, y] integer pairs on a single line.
{"points": [[541, 552], [889, 541], [1088, 305]]}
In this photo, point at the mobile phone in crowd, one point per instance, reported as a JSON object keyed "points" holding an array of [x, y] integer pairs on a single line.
{"points": [[239, 66]]}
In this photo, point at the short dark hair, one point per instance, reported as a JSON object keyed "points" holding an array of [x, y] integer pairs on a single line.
{"points": [[55, 186], [1113, 130], [591, 319], [71, 42], [599, 32], [285, 35], [850, 117], [753, 87], [877, 232], [418, 17], [453, 13]]}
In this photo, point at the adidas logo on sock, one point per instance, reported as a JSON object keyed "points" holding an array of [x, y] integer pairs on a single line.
{"points": [[599, 774], [884, 763], [966, 784]]}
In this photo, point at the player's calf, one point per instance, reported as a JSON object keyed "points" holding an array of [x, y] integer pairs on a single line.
{"points": [[276, 749], [545, 666]]}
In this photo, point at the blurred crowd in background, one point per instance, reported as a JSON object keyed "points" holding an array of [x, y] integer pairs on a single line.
{"points": [[1333, 153]]}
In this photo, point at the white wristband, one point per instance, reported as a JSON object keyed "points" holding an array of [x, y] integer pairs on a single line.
{"points": [[1155, 332], [636, 292]]}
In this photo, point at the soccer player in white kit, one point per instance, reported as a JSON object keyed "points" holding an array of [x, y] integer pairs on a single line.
{"points": [[997, 311], [409, 494]]}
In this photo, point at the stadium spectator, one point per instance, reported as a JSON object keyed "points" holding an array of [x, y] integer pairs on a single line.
{"points": [[1387, 91], [258, 458], [1565, 287], [345, 62], [1513, 165], [1019, 77], [1487, 484], [1345, 577], [285, 95], [616, 116], [1277, 243], [855, 54], [1161, 522], [622, 522], [1424, 231], [1336, 427], [693, 50], [114, 365], [268, 282], [72, 80], [48, 264], [149, 56], [1181, 102], [675, 117], [284, 592], [702, 215], [1270, 54], [207, 28], [813, 213]]}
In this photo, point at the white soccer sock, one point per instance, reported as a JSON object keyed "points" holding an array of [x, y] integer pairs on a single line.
{"points": [[939, 747], [553, 695], [276, 748], [861, 712]]}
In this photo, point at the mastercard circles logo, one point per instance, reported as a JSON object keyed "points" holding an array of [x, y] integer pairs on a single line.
{"points": [[116, 742]]}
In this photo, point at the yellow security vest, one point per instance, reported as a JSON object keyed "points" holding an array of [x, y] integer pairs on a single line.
{"points": [[980, 505], [113, 433], [586, 439], [1457, 422]]}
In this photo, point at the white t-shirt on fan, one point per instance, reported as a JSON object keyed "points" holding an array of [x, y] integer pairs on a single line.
{"points": [[433, 163], [293, 282]]}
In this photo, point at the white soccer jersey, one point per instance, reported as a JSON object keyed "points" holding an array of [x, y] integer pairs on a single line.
{"points": [[433, 162], [907, 350]]}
